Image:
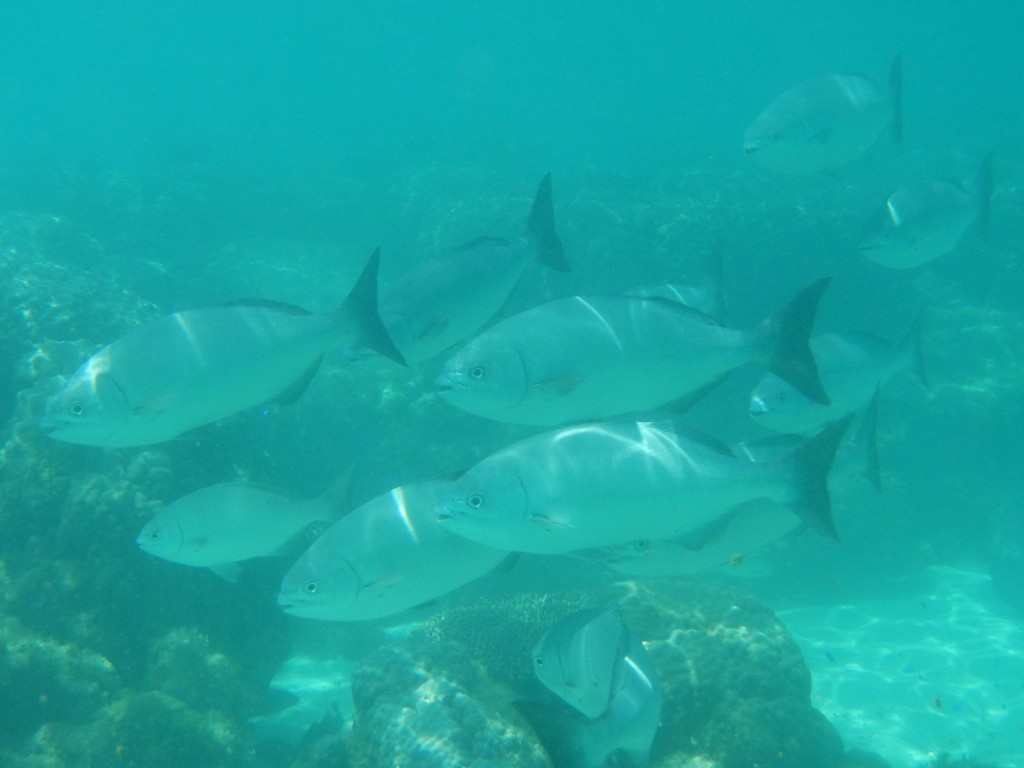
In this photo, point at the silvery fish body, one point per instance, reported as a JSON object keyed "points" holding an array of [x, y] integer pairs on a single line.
{"points": [[597, 485], [824, 122], [193, 367], [221, 524], [591, 357], [923, 221], [447, 298], [852, 366], [386, 556], [722, 543], [597, 665]]}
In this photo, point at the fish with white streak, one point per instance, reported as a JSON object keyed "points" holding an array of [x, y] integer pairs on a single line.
{"points": [[825, 122], [445, 299], [921, 222], [597, 485], [385, 557], [591, 357], [193, 367], [595, 663]]}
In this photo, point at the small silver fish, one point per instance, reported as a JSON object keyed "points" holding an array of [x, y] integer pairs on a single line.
{"points": [[597, 485], [193, 367], [591, 357], [447, 298], [921, 222], [597, 665], [825, 122], [217, 526], [386, 556]]}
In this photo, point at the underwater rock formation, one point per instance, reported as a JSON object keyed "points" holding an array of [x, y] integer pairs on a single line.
{"points": [[424, 704]]}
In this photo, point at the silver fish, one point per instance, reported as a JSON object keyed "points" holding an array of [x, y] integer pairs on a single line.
{"points": [[193, 367], [386, 556], [597, 664], [597, 485], [825, 122], [590, 357], [924, 221], [445, 299], [724, 542], [217, 526], [852, 366]]}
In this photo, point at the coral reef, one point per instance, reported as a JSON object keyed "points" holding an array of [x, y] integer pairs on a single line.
{"points": [[424, 704]]}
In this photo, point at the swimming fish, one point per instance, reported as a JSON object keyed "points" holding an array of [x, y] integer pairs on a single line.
{"points": [[446, 298], [825, 122], [386, 556], [596, 485], [924, 221], [735, 534], [217, 526], [190, 368], [851, 366], [590, 357], [597, 665]]}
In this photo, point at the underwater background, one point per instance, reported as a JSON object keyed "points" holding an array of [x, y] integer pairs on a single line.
{"points": [[158, 157]]}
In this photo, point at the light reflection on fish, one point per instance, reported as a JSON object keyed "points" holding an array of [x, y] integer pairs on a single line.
{"points": [[386, 556], [180, 371], [921, 222], [597, 665], [590, 357], [825, 122]]}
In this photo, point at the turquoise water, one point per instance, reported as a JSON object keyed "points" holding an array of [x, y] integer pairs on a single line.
{"points": [[161, 157]]}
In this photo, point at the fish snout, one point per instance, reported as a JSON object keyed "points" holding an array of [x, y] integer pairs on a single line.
{"points": [[449, 381], [758, 407]]}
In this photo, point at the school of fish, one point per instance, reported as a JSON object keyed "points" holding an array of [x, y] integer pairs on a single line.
{"points": [[614, 475]]}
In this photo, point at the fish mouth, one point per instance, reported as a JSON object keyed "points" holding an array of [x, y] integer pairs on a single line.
{"points": [[447, 382], [757, 408], [445, 512]]}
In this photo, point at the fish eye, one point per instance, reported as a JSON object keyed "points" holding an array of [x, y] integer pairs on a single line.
{"points": [[538, 660], [310, 587], [476, 372], [76, 408], [780, 399], [642, 544], [475, 501], [154, 535]]}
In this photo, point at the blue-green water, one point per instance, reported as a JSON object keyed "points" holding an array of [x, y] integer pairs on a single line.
{"points": [[155, 158]]}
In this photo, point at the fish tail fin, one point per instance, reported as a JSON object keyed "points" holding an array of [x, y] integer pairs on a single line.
{"points": [[983, 186], [360, 310], [714, 281], [911, 346], [786, 336], [813, 460], [540, 228], [896, 89]]}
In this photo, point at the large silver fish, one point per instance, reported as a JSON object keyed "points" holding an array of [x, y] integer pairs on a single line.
{"points": [[217, 526], [597, 664], [825, 122], [193, 367], [447, 298], [924, 221], [852, 366], [591, 357], [386, 556], [596, 485]]}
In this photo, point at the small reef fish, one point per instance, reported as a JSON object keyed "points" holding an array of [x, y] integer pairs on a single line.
{"points": [[591, 357], [598, 485], [825, 122], [386, 556], [447, 298], [852, 366], [193, 367], [921, 222], [597, 665], [217, 526]]}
